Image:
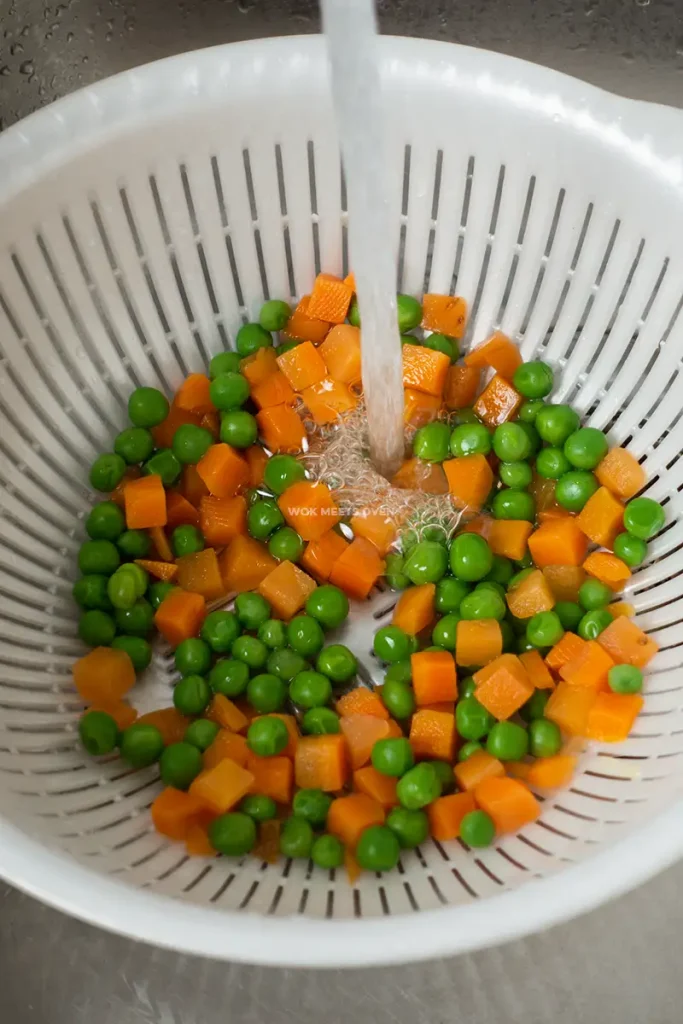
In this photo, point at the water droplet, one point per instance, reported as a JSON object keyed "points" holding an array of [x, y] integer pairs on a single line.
{"points": [[108, 38], [69, 37], [48, 35], [642, 3], [16, 48], [129, 24], [4, 70], [85, 60], [245, 6], [27, 67], [24, 31]]}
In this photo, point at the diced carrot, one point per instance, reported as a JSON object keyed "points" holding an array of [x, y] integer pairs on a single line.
{"points": [[357, 570], [303, 327], [211, 421], [244, 563], [350, 281], [122, 713], [274, 390], [268, 842], [530, 596], [180, 616], [303, 366], [328, 400], [395, 730], [509, 537], [537, 670], [163, 434], [551, 772], [193, 395], [200, 573], [462, 387], [481, 525], [376, 526], [226, 744], [446, 314], [281, 429], [476, 768], [569, 707], [564, 581], [440, 705], [361, 701], [498, 353], [223, 470], [197, 842], [509, 802], [145, 501], [446, 813], [434, 677], [179, 511], [361, 732], [321, 762], [273, 777], [619, 608], [286, 589], [223, 786], [381, 788], [222, 519], [552, 512], [621, 473], [132, 473], [416, 475], [608, 569], [309, 508], [256, 460], [589, 668], [558, 542], [320, 555], [602, 518], [330, 299], [503, 686], [259, 366], [415, 609], [542, 491], [425, 369], [192, 486], [498, 402], [349, 816], [173, 811], [517, 769], [478, 641], [160, 544], [224, 712], [341, 353], [470, 479], [612, 716], [432, 734], [564, 651], [419, 409], [627, 644], [104, 675], [351, 867], [169, 721], [166, 571]]}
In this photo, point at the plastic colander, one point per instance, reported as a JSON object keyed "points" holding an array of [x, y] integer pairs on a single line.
{"points": [[142, 221]]}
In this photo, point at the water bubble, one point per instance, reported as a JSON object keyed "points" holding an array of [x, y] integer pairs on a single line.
{"points": [[24, 31], [642, 3], [16, 48], [4, 71], [69, 37], [26, 68]]}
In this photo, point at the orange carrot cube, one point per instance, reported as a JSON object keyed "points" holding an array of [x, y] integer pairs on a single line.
{"points": [[193, 395], [564, 581], [376, 527], [223, 470], [564, 651], [537, 670], [309, 508], [470, 479], [498, 402], [508, 537], [301, 326], [608, 569], [445, 314], [432, 734], [330, 299], [446, 813], [476, 768], [425, 369], [558, 541], [602, 518], [503, 686], [589, 668], [104, 675], [478, 641], [498, 353], [274, 390], [349, 816], [509, 802], [320, 555], [341, 353], [286, 588], [200, 573], [145, 501], [357, 570], [416, 475], [612, 716], [321, 763], [434, 677], [222, 519], [419, 409], [221, 787], [244, 563], [259, 366], [530, 596], [415, 609], [281, 428], [328, 400], [381, 788], [462, 387], [627, 644], [303, 366], [180, 616], [569, 707], [621, 473]]}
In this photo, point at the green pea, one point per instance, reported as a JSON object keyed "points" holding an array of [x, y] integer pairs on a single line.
{"points": [[507, 741], [328, 605], [394, 574], [631, 550], [511, 442], [163, 464], [516, 475], [180, 764], [534, 379], [312, 805], [238, 429], [274, 315], [569, 613], [99, 557], [141, 744], [449, 594], [229, 391], [252, 610], [470, 557], [187, 540], [286, 663], [442, 343], [585, 448], [431, 442], [426, 563], [643, 518], [419, 786], [378, 849], [305, 636], [134, 544], [252, 651], [266, 693], [337, 662], [107, 472], [96, 628], [220, 630], [625, 679], [509, 504], [320, 722], [555, 423], [273, 633], [296, 838], [250, 338], [391, 644], [327, 852], [535, 706], [147, 407], [158, 592], [544, 629], [552, 463], [224, 362], [258, 806], [545, 738], [233, 834], [98, 732], [263, 517], [192, 695], [193, 657], [483, 604], [469, 748], [191, 443], [90, 592], [267, 736], [444, 770], [392, 756], [501, 571], [528, 411], [409, 312], [281, 471], [121, 590], [105, 522], [137, 649], [466, 687], [593, 623], [509, 637], [229, 677], [445, 631], [286, 545], [594, 594], [139, 575], [397, 697], [470, 439], [573, 490], [411, 827], [201, 733], [477, 829], [472, 720], [353, 315], [134, 445], [136, 621]]}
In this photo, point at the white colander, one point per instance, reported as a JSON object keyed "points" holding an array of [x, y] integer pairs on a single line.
{"points": [[142, 221]]}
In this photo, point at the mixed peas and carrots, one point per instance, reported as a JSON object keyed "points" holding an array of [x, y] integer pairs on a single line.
{"points": [[507, 640]]}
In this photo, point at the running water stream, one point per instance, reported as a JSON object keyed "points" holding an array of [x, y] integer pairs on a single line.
{"points": [[351, 30]]}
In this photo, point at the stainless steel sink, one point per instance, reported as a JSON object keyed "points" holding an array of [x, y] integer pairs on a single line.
{"points": [[619, 965]]}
